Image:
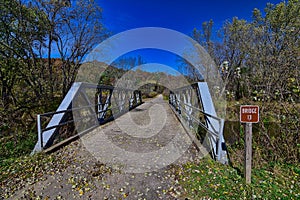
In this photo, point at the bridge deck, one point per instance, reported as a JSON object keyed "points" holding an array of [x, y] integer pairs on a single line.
{"points": [[129, 157], [145, 139]]}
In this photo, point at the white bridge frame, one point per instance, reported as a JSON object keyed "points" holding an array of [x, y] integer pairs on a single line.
{"points": [[96, 101], [193, 101]]}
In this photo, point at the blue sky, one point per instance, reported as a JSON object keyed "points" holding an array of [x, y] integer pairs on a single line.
{"points": [[179, 15]]}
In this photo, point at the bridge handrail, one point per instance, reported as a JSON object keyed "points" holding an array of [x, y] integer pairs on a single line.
{"points": [[207, 114], [181, 101], [70, 110], [132, 99], [215, 132]]}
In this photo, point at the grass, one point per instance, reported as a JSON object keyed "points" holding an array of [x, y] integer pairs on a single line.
{"points": [[12, 148], [211, 180]]}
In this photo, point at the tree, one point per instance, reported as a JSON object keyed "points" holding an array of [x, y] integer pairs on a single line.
{"points": [[75, 28], [203, 37], [31, 33], [277, 40], [22, 32], [263, 53]]}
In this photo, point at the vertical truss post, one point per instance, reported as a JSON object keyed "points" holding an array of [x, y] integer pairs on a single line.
{"points": [[105, 105], [220, 150], [131, 100], [99, 103], [179, 103], [40, 133], [139, 97]]}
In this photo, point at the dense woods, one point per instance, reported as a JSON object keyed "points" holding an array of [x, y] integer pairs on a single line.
{"points": [[259, 63], [258, 59], [43, 43]]}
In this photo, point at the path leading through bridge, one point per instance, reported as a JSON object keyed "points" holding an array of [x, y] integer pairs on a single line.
{"points": [[133, 157]]}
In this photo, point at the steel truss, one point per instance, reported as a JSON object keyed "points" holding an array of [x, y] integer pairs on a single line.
{"points": [[194, 107], [86, 106]]}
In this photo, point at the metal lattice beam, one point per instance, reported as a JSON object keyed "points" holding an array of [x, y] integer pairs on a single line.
{"points": [[89, 105], [194, 107]]}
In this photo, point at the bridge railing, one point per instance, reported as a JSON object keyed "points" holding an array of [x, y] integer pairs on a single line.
{"points": [[194, 107], [86, 106]]}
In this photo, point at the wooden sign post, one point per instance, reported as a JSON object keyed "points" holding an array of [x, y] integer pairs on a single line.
{"points": [[248, 114]]}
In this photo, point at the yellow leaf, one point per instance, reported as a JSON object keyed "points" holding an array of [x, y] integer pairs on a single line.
{"points": [[81, 192]]}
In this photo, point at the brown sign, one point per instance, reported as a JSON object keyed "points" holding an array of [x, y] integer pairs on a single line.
{"points": [[249, 114]]}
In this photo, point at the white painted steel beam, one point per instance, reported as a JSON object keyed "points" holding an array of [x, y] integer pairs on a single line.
{"points": [[57, 118], [213, 124]]}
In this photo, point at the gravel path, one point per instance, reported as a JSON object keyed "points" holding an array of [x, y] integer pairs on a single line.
{"points": [[134, 157]]}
